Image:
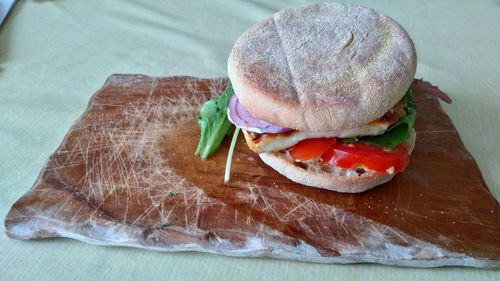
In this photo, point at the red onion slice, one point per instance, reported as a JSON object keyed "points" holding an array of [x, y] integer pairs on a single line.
{"points": [[243, 119], [421, 86]]}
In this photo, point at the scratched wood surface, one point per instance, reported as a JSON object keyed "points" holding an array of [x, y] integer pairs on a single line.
{"points": [[126, 175]]}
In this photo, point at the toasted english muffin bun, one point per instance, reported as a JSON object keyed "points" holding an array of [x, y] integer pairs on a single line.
{"points": [[316, 174], [322, 67]]}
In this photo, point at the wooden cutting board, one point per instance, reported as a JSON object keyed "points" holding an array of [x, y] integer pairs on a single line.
{"points": [[126, 175]]}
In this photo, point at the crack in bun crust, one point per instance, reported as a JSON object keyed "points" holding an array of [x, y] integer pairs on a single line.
{"points": [[322, 67]]}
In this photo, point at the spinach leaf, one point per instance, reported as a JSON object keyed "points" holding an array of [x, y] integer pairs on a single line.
{"points": [[214, 123], [400, 131]]}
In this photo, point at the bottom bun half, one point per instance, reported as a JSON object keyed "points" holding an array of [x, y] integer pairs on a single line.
{"points": [[315, 174]]}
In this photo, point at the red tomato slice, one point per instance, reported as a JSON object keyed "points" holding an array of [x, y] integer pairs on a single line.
{"points": [[310, 148], [368, 156]]}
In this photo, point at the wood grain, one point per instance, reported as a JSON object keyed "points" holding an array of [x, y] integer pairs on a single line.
{"points": [[126, 175]]}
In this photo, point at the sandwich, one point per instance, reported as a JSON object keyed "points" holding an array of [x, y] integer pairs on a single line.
{"points": [[322, 94]]}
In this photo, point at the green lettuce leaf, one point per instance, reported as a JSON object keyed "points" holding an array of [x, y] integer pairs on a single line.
{"points": [[214, 123], [400, 131]]}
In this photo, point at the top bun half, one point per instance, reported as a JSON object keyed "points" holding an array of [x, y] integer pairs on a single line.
{"points": [[322, 67]]}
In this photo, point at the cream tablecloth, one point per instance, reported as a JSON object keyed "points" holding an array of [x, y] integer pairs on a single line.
{"points": [[55, 54]]}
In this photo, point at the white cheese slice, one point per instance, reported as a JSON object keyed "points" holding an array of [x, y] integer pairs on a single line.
{"points": [[274, 142]]}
